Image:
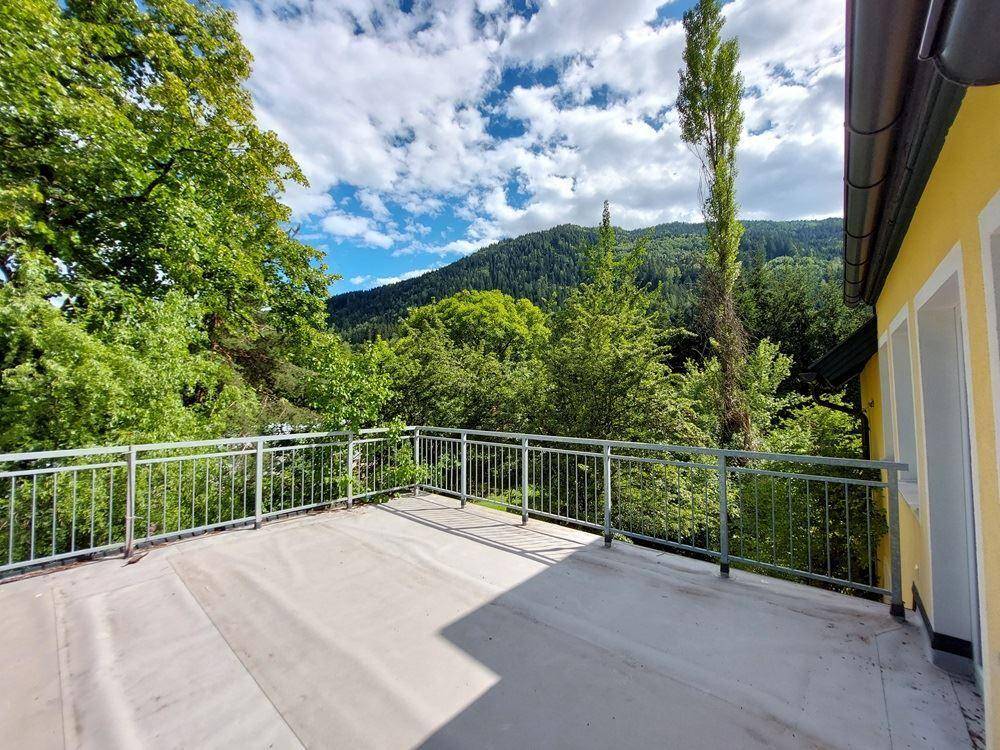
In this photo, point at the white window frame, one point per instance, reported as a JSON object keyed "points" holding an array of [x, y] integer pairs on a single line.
{"points": [[909, 488]]}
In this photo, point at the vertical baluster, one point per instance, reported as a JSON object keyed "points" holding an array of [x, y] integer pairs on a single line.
{"points": [[149, 496], [55, 501], [232, 487], [130, 492], [576, 487], [93, 500], [756, 515], [791, 526], [72, 532], [180, 481], [10, 520], [607, 495], [163, 525], [826, 514], [723, 517], [868, 520], [208, 482], [809, 564], [111, 506], [691, 494], [704, 510], [774, 534], [847, 521], [742, 490]]}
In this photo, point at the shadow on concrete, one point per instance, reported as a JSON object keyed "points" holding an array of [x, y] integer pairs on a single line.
{"points": [[627, 648]]}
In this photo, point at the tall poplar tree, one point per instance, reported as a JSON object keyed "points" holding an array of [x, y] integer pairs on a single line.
{"points": [[711, 122]]}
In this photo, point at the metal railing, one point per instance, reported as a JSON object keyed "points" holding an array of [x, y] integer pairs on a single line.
{"points": [[829, 520], [67, 504]]}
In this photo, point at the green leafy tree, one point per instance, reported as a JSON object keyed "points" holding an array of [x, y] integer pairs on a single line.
{"points": [[124, 369], [496, 322], [796, 302], [470, 360], [149, 283], [708, 104], [607, 368], [131, 153]]}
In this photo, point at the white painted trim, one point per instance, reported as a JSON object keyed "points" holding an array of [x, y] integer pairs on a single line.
{"points": [[883, 340], [953, 265], [989, 223], [901, 317]]}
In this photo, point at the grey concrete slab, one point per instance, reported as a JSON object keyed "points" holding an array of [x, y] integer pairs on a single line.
{"points": [[416, 623]]}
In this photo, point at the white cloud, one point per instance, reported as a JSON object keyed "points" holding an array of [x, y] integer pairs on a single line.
{"points": [[397, 106], [383, 280], [360, 227], [359, 280]]}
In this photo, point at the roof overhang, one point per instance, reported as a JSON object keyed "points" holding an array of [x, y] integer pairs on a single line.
{"points": [[908, 65], [844, 361]]}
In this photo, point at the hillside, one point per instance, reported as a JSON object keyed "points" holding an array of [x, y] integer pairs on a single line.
{"points": [[541, 265]]}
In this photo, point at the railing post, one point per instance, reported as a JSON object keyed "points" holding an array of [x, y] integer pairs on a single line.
{"points": [[258, 495], [723, 518], [130, 502], [416, 462], [464, 478], [524, 481], [895, 566], [607, 495], [350, 470]]}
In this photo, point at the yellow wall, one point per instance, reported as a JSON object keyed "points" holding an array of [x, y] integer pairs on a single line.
{"points": [[965, 179], [911, 542]]}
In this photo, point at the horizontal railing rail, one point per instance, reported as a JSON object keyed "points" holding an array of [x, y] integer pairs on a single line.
{"points": [[817, 518], [56, 506]]}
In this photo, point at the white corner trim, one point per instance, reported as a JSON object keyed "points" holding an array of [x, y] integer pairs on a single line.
{"points": [[901, 317], [989, 224], [950, 265]]}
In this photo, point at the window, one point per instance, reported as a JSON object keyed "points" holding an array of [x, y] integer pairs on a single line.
{"points": [[902, 392], [888, 447]]}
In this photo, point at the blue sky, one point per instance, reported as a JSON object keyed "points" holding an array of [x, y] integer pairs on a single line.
{"points": [[430, 128]]}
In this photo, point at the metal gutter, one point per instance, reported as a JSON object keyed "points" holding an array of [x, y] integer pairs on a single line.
{"points": [[908, 63]]}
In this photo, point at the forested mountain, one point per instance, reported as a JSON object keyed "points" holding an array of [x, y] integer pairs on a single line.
{"points": [[542, 266]]}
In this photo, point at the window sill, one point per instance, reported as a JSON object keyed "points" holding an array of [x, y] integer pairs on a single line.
{"points": [[910, 493]]}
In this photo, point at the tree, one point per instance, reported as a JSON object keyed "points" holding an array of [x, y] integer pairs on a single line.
{"points": [[708, 104], [131, 153], [470, 360], [496, 322], [150, 286], [607, 364]]}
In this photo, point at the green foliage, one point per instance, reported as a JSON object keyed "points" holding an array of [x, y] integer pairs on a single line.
{"points": [[607, 366], [708, 104], [544, 267], [131, 154], [493, 321], [797, 303], [124, 369], [470, 359], [149, 286], [765, 370]]}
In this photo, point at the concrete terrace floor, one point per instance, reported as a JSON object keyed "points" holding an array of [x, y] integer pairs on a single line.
{"points": [[418, 624]]}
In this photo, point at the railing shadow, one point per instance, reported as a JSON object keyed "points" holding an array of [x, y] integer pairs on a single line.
{"points": [[608, 648]]}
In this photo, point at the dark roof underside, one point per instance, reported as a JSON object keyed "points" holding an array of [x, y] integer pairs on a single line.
{"points": [[847, 359]]}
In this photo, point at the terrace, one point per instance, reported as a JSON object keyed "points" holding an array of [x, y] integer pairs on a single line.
{"points": [[404, 619]]}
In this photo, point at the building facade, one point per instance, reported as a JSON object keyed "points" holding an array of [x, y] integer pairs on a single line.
{"points": [[922, 248]]}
